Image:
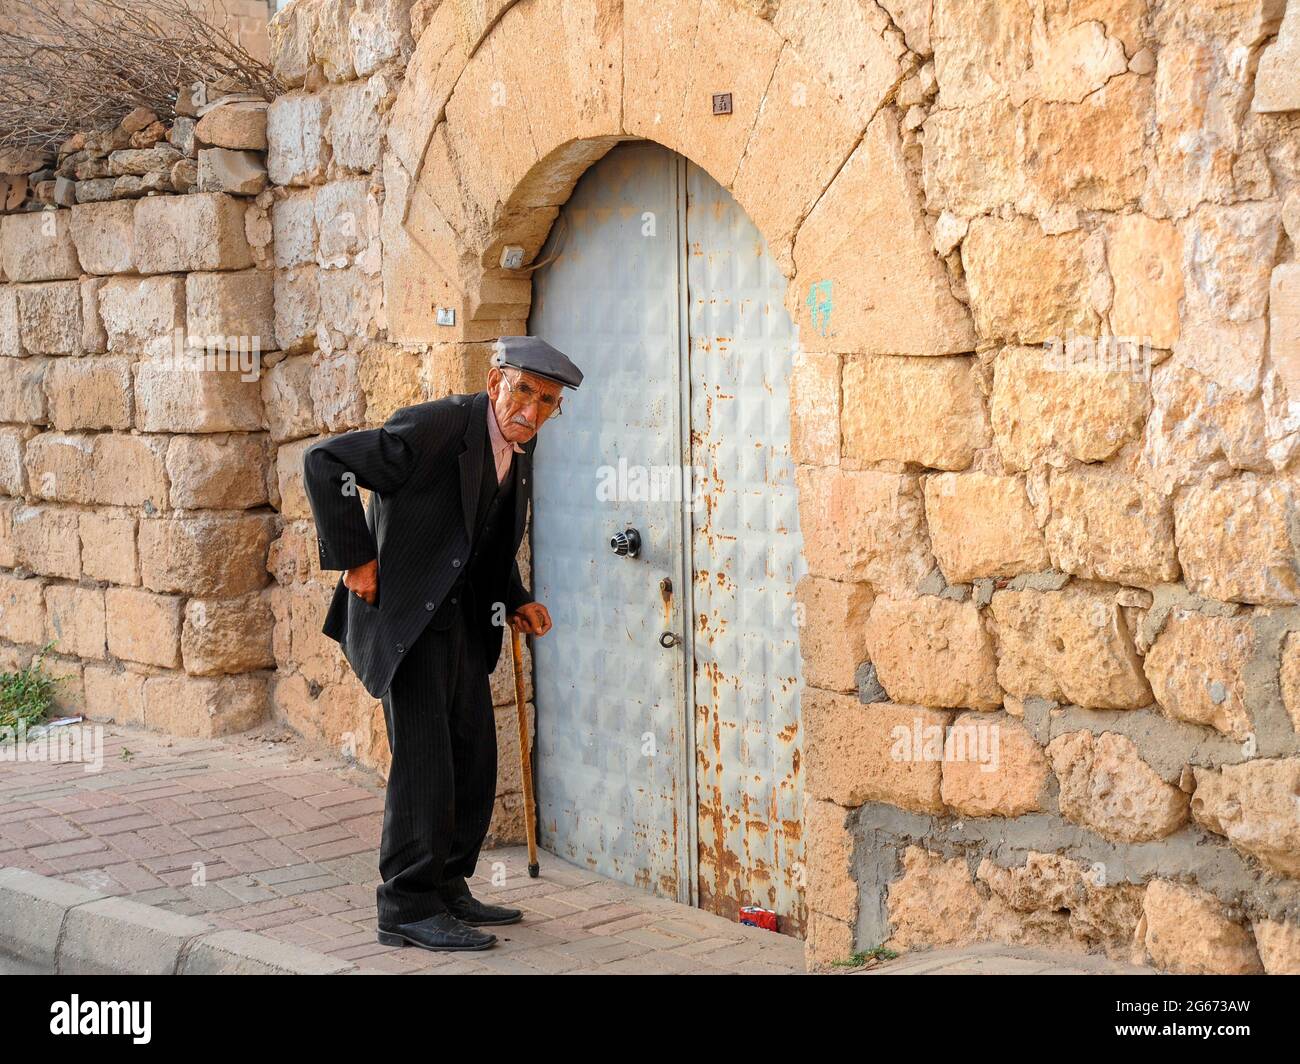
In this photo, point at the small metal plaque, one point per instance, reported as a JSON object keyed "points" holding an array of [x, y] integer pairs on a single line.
{"points": [[446, 315], [722, 103]]}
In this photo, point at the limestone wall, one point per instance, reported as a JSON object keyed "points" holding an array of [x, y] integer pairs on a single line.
{"points": [[1040, 258], [1043, 260], [137, 513], [1081, 538]]}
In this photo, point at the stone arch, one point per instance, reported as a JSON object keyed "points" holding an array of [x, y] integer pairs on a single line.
{"points": [[481, 156]]}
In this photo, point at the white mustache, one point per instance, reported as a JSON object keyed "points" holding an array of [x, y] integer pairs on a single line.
{"points": [[518, 420]]}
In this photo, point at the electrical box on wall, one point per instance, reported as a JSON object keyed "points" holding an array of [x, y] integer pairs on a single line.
{"points": [[512, 257]]}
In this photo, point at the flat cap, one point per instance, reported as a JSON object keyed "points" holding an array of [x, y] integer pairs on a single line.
{"points": [[532, 354]]}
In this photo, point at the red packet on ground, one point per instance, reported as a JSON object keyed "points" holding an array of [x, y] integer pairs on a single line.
{"points": [[756, 917]]}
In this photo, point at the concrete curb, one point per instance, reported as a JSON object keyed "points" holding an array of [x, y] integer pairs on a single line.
{"points": [[68, 930]]}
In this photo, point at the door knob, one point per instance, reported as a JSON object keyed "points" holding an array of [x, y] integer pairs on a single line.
{"points": [[626, 544]]}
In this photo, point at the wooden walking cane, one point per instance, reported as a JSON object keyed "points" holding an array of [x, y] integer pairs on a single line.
{"points": [[525, 760]]}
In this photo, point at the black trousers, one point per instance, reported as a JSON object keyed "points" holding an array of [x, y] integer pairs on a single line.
{"points": [[442, 780]]}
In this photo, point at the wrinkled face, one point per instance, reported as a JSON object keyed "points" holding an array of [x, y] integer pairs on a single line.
{"points": [[522, 401]]}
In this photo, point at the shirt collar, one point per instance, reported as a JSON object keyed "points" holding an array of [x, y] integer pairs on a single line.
{"points": [[499, 441]]}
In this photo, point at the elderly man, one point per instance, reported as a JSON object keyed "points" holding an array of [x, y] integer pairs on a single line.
{"points": [[430, 579]]}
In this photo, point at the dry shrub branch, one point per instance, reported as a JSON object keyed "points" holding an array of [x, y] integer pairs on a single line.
{"points": [[79, 65]]}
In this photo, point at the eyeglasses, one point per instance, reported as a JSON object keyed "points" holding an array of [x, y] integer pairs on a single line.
{"points": [[548, 405]]}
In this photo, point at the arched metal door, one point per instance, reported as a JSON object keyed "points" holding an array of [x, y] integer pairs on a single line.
{"points": [[668, 690]]}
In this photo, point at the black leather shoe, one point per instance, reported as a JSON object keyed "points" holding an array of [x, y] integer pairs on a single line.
{"points": [[469, 910], [442, 931]]}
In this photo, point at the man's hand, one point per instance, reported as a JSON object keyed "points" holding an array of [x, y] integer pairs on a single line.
{"points": [[531, 619], [363, 580]]}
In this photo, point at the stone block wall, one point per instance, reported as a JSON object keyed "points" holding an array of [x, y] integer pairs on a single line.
{"points": [[1076, 543], [136, 513]]}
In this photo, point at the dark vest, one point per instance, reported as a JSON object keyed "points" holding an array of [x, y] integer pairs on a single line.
{"points": [[492, 522], [495, 501]]}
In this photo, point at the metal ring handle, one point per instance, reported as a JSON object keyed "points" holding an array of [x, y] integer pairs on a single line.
{"points": [[668, 640]]}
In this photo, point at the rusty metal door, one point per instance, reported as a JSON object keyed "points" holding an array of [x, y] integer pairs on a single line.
{"points": [[747, 556], [613, 762], [667, 713]]}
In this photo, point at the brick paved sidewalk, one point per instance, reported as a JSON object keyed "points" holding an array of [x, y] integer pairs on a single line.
{"points": [[286, 842]]}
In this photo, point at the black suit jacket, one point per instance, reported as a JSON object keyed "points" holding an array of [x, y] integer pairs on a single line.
{"points": [[424, 467]]}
